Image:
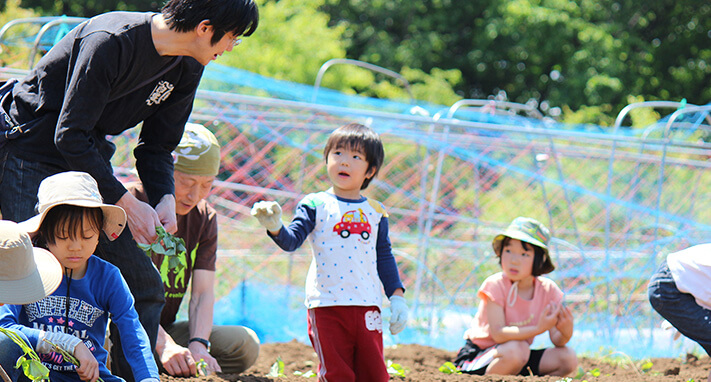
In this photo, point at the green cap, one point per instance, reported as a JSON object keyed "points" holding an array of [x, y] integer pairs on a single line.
{"points": [[198, 152], [529, 230]]}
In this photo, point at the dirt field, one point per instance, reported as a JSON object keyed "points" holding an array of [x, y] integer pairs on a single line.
{"points": [[422, 364]]}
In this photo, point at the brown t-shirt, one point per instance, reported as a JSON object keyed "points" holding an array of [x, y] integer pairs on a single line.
{"points": [[197, 228]]}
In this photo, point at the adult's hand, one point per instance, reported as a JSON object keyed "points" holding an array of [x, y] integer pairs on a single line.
{"points": [[166, 213], [178, 361], [199, 352], [142, 218], [89, 369]]}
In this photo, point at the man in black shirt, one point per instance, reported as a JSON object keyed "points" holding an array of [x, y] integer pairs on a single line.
{"points": [[107, 75]]}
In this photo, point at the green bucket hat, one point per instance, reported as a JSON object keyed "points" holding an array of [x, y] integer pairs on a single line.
{"points": [[198, 152], [529, 230]]}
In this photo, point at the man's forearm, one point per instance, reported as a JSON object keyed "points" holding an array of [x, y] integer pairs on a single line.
{"points": [[201, 315]]}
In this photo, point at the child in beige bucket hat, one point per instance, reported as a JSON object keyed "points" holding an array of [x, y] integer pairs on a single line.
{"points": [[71, 217], [517, 304], [76, 189]]}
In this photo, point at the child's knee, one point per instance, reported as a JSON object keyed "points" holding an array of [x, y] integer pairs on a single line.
{"points": [[515, 352], [568, 360]]}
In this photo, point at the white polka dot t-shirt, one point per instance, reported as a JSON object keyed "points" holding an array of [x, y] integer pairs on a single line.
{"points": [[352, 259]]}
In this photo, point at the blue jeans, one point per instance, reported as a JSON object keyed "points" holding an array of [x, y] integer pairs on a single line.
{"points": [[9, 353], [679, 308], [19, 182], [146, 286]]}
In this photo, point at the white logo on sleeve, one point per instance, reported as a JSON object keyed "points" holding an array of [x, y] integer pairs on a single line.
{"points": [[373, 321], [160, 93]]}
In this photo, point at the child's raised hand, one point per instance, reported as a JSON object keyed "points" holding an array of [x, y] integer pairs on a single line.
{"points": [[268, 214], [549, 317], [89, 369]]}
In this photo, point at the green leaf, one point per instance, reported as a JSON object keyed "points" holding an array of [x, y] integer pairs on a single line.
{"points": [[157, 248], [646, 366], [308, 374], [595, 372], [35, 370], [449, 368], [169, 245], [277, 369], [395, 369]]}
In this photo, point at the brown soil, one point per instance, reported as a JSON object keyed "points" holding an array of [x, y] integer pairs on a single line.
{"points": [[422, 364]]}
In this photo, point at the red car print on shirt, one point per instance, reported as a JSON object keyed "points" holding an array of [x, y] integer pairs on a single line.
{"points": [[353, 222]]}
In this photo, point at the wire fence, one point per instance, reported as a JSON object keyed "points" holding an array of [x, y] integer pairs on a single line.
{"points": [[615, 202]]}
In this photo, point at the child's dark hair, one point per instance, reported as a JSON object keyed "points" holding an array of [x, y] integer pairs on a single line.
{"points": [[240, 17], [540, 266], [355, 136], [67, 219]]}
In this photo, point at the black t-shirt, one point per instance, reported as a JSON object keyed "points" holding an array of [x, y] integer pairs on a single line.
{"points": [[85, 88]]}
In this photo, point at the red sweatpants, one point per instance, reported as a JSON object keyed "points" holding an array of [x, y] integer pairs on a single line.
{"points": [[349, 343]]}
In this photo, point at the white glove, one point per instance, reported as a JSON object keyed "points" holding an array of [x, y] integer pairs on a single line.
{"points": [[268, 214], [398, 314], [65, 341]]}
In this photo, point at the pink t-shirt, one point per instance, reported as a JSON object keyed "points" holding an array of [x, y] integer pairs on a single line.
{"points": [[523, 312]]}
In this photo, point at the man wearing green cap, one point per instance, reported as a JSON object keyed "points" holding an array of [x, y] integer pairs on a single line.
{"points": [[226, 349]]}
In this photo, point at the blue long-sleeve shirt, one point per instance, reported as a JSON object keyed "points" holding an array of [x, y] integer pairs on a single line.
{"points": [[100, 294]]}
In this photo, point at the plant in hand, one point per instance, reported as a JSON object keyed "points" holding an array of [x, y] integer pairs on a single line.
{"points": [[68, 356], [172, 247], [30, 362], [201, 367]]}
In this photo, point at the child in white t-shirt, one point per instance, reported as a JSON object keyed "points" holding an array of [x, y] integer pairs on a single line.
{"points": [[517, 304]]}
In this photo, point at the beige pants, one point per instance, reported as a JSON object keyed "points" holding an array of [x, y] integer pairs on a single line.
{"points": [[234, 347]]}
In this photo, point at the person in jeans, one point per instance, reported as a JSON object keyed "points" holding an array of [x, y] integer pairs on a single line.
{"points": [[109, 74], [680, 293], [27, 275]]}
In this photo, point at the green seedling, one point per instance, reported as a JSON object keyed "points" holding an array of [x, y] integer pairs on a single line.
{"points": [[172, 247], [449, 368], [308, 374], [30, 363], [395, 369], [67, 356], [277, 369], [201, 367]]}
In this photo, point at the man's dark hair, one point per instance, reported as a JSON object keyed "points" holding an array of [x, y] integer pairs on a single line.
{"points": [[540, 267], [355, 136], [240, 17], [67, 219]]}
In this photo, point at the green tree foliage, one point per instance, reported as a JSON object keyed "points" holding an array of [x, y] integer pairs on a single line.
{"points": [[574, 53], [294, 39]]}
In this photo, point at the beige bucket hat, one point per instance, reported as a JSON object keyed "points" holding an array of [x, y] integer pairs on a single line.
{"points": [[529, 230], [27, 274], [77, 189]]}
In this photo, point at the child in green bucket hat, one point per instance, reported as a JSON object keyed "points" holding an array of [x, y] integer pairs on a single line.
{"points": [[517, 304]]}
